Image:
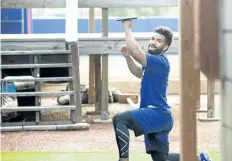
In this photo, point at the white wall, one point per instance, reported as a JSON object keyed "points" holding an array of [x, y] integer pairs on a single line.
{"points": [[225, 21]]}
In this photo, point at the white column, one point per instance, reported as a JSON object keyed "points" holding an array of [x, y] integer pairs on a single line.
{"points": [[225, 34], [71, 29]]}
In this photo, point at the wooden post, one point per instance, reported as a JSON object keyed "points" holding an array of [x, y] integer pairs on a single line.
{"points": [[198, 89], [37, 86], [196, 53], [104, 85], [94, 73], [70, 86], [97, 83], [71, 38], [210, 98], [206, 30], [91, 97], [188, 82], [76, 80]]}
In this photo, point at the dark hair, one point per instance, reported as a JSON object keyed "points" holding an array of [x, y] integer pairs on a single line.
{"points": [[166, 32]]}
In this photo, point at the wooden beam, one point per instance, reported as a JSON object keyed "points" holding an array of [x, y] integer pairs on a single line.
{"points": [[91, 97], [36, 74], [196, 51], [37, 93], [188, 87], [27, 79], [104, 85], [210, 98], [97, 82], [81, 37], [88, 43], [37, 108], [76, 80], [87, 3], [206, 49], [208, 42], [24, 66], [43, 52]]}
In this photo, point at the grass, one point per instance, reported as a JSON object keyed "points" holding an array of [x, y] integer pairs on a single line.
{"points": [[78, 156]]}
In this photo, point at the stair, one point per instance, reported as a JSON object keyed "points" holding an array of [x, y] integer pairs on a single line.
{"points": [[36, 80]]}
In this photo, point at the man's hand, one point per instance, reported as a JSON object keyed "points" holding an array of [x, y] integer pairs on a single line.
{"points": [[134, 67], [124, 51], [127, 24]]}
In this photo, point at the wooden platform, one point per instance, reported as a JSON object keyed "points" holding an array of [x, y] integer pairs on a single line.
{"points": [[77, 126], [86, 3], [89, 43]]}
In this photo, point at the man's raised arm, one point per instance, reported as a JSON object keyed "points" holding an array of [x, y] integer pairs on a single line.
{"points": [[132, 46]]}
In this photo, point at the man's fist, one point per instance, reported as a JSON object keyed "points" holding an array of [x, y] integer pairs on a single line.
{"points": [[123, 50], [127, 24]]}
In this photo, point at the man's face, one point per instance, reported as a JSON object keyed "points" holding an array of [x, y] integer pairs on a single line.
{"points": [[157, 44]]}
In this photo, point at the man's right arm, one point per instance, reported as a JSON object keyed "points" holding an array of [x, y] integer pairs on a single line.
{"points": [[134, 67]]}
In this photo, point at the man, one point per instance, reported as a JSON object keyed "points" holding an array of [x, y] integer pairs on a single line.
{"points": [[153, 119]]}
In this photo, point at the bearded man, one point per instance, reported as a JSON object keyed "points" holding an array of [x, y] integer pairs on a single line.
{"points": [[153, 118]]}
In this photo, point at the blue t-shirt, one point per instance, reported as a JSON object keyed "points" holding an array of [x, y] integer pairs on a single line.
{"points": [[154, 82]]}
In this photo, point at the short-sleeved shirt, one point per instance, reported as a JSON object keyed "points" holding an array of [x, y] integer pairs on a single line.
{"points": [[153, 89], [154, 82]]}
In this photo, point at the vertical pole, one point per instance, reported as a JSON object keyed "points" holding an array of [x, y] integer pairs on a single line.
{"points": [[70, 86], [104, 86], [98, 82], [210, 98], [188, 86], [197, 52], [37, 86], [91, 60], [208, 43], [198, 89], [76, 80], [71, 31], [224, 20]]}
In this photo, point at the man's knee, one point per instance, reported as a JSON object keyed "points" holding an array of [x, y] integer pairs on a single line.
{"points": [[115, 119], [123, 116]]}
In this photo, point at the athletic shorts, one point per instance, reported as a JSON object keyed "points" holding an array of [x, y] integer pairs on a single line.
{"points": [[156, 123]]}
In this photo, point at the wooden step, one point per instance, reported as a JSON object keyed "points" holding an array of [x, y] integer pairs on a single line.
{"points": [[37, 93], [37, 108], [52, 79], [36, 52], [50, 127], [23, 66]]}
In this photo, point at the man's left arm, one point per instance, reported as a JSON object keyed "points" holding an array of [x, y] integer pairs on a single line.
{"points": [[133, 47], [151, 62]]}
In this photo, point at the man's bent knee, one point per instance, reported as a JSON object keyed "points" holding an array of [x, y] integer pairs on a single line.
{"points": [[116, 119], [124, 116]]}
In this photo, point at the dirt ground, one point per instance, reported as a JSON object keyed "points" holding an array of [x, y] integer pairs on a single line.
{"points": [[101, 137]]}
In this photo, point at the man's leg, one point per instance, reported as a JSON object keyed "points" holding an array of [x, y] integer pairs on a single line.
{"points": [[122, 123], [158, 156]]}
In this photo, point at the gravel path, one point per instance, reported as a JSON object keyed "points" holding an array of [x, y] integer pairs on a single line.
{"points": [[101, 137]]}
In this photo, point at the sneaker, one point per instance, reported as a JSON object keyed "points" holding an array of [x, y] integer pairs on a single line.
{"points": [[205, 157]]}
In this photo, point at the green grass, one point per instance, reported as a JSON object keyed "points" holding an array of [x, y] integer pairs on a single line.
{"points": [[76, 156]]}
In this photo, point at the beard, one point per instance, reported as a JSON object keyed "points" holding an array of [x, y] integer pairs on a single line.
{"points": [[155, 50]]}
